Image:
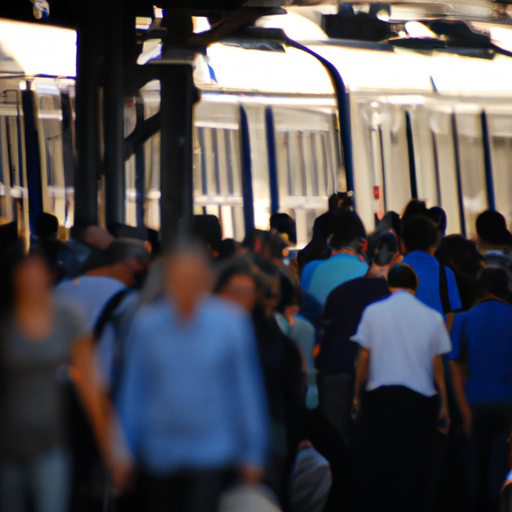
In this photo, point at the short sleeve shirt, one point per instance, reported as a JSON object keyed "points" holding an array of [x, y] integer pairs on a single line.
{"points": [[403, 336]]}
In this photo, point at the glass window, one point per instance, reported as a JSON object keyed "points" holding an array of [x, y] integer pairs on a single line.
{"points": [[472, 168], [500, 135]]}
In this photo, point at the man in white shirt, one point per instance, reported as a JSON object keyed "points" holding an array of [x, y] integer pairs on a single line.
{"points": [[402, 341]]}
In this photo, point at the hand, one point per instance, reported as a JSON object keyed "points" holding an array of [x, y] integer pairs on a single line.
{"points": [[466, 419], [251, 475], [354, 413], [443, 420]]}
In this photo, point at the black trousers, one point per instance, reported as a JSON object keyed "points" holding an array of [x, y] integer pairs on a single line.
{"points": [[185, 491], [489, 450], [395, 436]]}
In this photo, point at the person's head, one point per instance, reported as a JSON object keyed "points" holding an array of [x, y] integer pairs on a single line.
{"points": [[188, 276], [493, 282], [32, 280], [349, 231], [412, 208], [402, 277], [97, 237], [438, 215], [386, 250], [491, 230], [132, 256], [207, 229], [419, 233], [285, 225], [60, 260], [265, 246], [460, 255], [236, 283], [46, 226]]}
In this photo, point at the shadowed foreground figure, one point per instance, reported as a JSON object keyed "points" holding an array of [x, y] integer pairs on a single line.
{"points": [[192, 401]]}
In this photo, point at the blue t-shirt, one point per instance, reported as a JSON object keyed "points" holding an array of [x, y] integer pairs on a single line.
{"points": [[486, 331], [332, 272], [427, 268]]}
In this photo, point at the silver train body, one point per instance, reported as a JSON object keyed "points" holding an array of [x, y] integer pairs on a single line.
{"points": [[267, 135]]}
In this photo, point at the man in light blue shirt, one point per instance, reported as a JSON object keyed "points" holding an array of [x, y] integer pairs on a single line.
{"points": [[192, 401], [345, 263]]}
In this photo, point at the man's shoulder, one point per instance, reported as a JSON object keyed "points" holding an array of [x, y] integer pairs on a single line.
{"points": [[362, 286]]}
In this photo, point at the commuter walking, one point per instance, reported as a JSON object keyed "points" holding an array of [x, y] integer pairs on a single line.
{"points": [[37, 336], [192, 401], [401, 342], [481, 361]]}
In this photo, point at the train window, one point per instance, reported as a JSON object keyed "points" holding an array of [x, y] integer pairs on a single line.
{"points": [[308, 164], [13, 182], [48, 106], [444, 152], [395, 159], [472, 168], [216, 166], [424, 156], [500, 135]]}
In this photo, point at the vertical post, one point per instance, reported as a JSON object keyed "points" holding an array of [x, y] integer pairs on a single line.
{"points": [[176, 201], [87, 122], [113, 111]]}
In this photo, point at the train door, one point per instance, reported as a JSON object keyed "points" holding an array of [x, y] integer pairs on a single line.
{"points": [[218, 154], [467, 125], [499, 122], [55, 181], [304, 163], [382, 172], [446, 161], [13, 176], [426, 171]]}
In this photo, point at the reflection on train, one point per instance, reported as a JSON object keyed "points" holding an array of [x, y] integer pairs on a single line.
{"points": [[434, 124]]}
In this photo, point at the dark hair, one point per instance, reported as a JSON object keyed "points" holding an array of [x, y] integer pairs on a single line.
{"points": [[235, 267], [402, 276], [460, 255], [385, 250], [283, 223], [46, 225], [120, 251], [419, 234], [438, 215], [348, 229], [412, 208], [207, 229], [494, 281]]}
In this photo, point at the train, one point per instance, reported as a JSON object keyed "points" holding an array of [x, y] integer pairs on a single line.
{"points": [[287, 117]]}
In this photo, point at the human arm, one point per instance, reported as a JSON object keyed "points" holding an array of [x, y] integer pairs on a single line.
{"points": [[249, 398], [460, 395], [439, 377], [107, 431], [361, 374]]}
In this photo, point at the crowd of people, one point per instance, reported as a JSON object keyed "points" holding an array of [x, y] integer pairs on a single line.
{"points": [[364, 372]]}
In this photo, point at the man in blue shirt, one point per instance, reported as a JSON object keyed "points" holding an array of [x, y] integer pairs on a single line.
{"points": [[192, 401], [421, 238], [482, 349], [345, 263]]}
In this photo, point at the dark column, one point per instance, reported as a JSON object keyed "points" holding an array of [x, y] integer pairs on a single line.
{"points": [[178, 95], [87, 122], [113, 111], [176, 202]]}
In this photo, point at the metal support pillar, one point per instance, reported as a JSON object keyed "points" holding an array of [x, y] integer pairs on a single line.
{"points": [[87, 122], [178, 96], [113, 112]]}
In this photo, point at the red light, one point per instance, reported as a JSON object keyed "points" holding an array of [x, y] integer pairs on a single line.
{"points": [[376, 192]]}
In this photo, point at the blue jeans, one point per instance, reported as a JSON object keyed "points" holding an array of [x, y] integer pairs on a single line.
{"points": [[46, 477]]}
